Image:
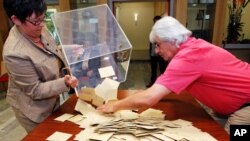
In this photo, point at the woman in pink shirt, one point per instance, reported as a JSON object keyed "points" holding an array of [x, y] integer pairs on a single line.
{"points": [[211, 74]]}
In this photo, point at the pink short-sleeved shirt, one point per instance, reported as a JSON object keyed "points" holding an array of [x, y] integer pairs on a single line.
{"points": [[211, 74]]}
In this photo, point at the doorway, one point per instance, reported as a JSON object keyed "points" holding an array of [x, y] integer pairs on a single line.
{"points": [[136, 19]]}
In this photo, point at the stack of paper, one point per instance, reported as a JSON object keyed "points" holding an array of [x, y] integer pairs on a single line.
{"points": [[130, 126], [152, 113], [104, 92]]}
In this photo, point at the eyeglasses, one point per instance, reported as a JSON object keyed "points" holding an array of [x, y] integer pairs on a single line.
{"points": [[35, 23]]}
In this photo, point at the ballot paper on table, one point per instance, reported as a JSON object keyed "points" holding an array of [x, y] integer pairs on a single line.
{"points": [[126, 114], [89, 134], [64, 117], [84, 134], [152, 113], [162, 137], [86, 93], [59, 136], [97, 100], [101, 137], [182, 122], [103, 92], [91, 116], [76, 118], [93, 119], [83, 107], [127, 124], [123, 137], [107, 89]]}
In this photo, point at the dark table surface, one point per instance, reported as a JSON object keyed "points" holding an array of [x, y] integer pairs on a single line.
{"points": [[182, 106]]}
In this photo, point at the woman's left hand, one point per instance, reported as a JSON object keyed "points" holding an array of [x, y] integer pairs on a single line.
{"points": [[71, 81]]}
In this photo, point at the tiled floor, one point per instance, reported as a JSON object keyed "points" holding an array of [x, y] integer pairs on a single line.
{"points": [[10, 130], [137, 78]]}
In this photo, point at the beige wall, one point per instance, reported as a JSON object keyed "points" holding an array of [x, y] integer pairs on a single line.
{"points": [[246, 20], [137, 32], [54, 7]]}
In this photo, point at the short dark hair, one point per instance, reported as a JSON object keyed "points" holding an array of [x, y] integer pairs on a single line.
{"points": [[24, 8], [156, 18]]}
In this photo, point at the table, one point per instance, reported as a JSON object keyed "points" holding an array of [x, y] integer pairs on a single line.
{"points": [[182, 106]]}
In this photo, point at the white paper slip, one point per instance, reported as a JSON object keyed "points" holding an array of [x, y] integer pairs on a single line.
{"points": [[182, 122], [106, 71], [76, 118], [107, 89], [83, 107], [64, 117], [59, 136], [126, 114], [162, 137], [101, 137], [152, 113], [84, 134], [123, 137]]}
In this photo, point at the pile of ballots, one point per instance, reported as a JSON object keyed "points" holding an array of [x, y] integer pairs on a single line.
{"points": [[136, 127], [126, 125], [151, 129]]}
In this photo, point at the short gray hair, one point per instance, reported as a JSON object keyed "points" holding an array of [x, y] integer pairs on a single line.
{"points": [[170, 30]]}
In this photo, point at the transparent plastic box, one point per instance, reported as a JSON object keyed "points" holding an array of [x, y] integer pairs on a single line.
{"points": [[94, 45]]}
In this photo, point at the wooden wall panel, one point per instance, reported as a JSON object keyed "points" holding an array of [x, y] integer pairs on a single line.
{"points": [[4, 28], [219, 22], [180, 11], [64, 5], [101, 2], [161, 8], [4, 22]]}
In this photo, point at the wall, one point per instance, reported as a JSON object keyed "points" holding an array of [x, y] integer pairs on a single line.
{"points": [[54, 7], [137, 32], [4, 27], [246, 20]]}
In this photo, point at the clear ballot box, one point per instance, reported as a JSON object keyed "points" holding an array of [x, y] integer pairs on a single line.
{"points": [[94, 45]]}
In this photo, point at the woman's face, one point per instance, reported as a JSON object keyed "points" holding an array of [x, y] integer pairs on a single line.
{"points": [[165, 49], [33, 25]]}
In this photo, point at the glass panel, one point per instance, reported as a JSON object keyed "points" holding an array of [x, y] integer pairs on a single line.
{"points": [[200, 16], [93, 42]]}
